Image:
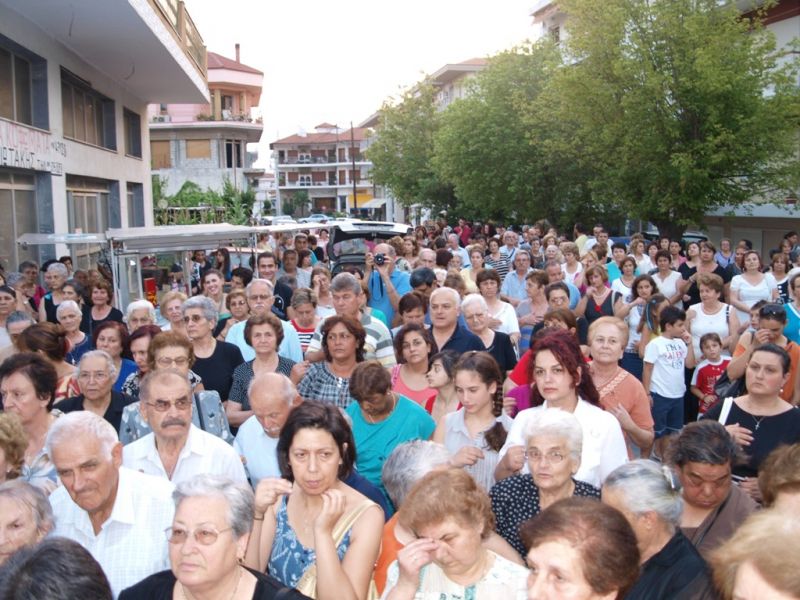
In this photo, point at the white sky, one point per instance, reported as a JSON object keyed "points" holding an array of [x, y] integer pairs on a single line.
{"points": [[337, 61]]}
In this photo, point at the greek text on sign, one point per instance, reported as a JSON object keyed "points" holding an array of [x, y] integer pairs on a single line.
{"points": [[24, 147]]}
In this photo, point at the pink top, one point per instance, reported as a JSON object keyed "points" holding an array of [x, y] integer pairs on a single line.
{"points": [[418, 396]]}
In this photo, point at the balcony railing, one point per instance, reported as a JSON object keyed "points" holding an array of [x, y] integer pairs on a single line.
{"points": [[319, 160], [174, 14]]}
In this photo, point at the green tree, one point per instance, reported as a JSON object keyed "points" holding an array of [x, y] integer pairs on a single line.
{"points": [[401, 150], [673, 108], [295, 204]]}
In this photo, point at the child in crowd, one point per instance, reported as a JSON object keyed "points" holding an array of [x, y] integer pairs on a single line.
{"points": [[708, 371], [649, 327], [665, 358]]}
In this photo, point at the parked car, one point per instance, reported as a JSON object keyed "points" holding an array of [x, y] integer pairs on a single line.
{"points": [[350, 241]]}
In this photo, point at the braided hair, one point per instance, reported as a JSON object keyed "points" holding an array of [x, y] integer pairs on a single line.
{"points": [[489, 372]]}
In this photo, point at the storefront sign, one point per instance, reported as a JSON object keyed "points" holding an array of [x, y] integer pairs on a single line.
{"points": [[24, 147]]}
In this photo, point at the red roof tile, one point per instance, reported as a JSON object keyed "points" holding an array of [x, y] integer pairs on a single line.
{"points": [[359, 133], [217, 61]]}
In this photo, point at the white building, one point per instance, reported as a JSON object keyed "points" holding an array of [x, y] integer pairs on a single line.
{"points": [[75, 81]]}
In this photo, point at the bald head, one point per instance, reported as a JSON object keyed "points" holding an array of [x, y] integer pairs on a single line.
{"points": [[271, 397]]}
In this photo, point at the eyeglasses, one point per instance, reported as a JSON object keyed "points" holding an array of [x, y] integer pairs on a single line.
{"points": [[259, 297], [98, 376], [193, 318], [553, 457], [202, 535], [166, 361], [164, 405]]}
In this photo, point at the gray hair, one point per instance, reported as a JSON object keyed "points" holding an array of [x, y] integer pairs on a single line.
{"points": [[27, 264], [645, 487], [558, 423], [205, 304], [112, 368], [471, 299], [408, 463], [426, 251], [140, 304], [239, 497], [304, 296], [14, 278], [59, 268], [447, 290], [274, 381], [257, 280], [346, 282], [81, 424], [705, 441], [389, 249], [157, 376], [66, 305], [19, 316], [33, 498]]}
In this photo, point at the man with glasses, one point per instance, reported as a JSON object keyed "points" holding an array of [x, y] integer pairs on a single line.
{"points": [[260, 299], [119, 515], [177, 449]]}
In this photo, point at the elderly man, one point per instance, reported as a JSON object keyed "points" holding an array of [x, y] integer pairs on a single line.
{"points": [[385, 283], [117, 514], [267, 267], [445, 308], [176, 449], [713, 508], [260, 300], [347, 300], [426, 258], [272, 397], [514, 288], [455, 248], [139, 312]]}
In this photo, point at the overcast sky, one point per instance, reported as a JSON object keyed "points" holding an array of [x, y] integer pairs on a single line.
{"points": [[337, 61]]}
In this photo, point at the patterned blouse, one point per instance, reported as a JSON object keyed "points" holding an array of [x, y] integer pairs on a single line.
{"points": [[322, 385], [243, 375]]}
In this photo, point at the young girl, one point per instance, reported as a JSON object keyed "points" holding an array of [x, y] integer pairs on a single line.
{"points": [[476, 432], [649, 327], [440, 378]]}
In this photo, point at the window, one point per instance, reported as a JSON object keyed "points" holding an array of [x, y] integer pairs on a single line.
{"points": [[160, 157], [135, 201], [87, 211], [233, 154], [88, 115], [18, 205], [133, 133], [198, 148], [16, 101]]}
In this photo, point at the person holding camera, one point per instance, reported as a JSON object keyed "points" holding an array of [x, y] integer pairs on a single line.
{"points": [[384, 283]]}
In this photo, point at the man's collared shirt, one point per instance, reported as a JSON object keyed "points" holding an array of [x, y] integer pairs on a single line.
{"points": [[514, 285], [259, 451], [131, 544], [377, 346], [289, 348], [463, 340], [202, 453], [379, 296]]}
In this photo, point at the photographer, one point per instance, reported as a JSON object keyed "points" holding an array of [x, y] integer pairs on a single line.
{"points": [[384, 283]]}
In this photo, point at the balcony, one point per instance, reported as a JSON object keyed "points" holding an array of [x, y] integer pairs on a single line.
{"points": [[319, 161], [174, 14]]}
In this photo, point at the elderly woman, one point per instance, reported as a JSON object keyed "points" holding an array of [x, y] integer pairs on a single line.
{"points": [[703, 455], [139, 312], [498, 344], [650, 498], [621, 393], [215, 361], [172, 350], [756, 562], [101, 294], [55, 277], [27, 387], [13, 443], [139, 343], [712, 315], [264, 333], [381, 419], [580, 550], [761, 420], [450, 517], [69, 315], [306, 320], [343, 346], [172, 311], [207, 542], [779, 479], [313, 531], [112, 338], [553, 444], [413, 347], [561, 379], [25, 517], [50, 341], [96, 374], [500, 316], [236, 303]]}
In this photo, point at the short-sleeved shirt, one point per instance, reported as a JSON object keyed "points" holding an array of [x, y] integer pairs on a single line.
{"points": [[243, 375], [668, 357], [625, 390], [379, 296], [259, 451], [320, 384], [514, 285], [217, 369], [462, 341]]}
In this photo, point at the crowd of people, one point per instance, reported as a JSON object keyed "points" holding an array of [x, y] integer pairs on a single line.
{"points": [[475, 412]]}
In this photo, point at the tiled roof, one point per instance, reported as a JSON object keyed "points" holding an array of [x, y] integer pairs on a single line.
{"points": [[359, 133], [217, 61]]}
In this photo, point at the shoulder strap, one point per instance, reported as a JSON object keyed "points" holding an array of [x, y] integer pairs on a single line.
{"points": [[345, 522], [726, 409]]}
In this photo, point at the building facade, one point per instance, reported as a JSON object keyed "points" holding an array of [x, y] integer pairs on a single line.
{"points": [[75, 81], [206, 143]]}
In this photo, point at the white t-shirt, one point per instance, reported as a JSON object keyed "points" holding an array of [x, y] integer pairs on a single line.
{"points": [[668, 357], [750, 294], [507, 316], [669, 286], [619, 287]]}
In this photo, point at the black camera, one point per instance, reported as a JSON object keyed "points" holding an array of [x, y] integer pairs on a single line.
{"points": [[380, 259]]}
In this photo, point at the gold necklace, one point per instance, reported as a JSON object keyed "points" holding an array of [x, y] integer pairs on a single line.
{"points": [[235, 589], [394, 405]]}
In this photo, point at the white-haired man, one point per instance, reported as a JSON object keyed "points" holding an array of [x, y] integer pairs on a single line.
{"points": [[117, 514], [445, 307], [176, 449]]}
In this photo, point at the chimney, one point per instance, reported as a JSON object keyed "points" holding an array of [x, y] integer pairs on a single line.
{"points": [[237, 53]]}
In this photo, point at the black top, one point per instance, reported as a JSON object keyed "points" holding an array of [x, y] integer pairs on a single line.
{"points": [[463, 340], [283, 299], [502, 350], [160, 587], [768, 433], [114, 315], [677, 572], [693, 292], [216, 371], [113, 413]]}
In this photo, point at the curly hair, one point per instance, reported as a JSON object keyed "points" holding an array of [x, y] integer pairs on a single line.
{"points": [[168, 339], [355, 328], [266, 319], [486, 367], [13, 443], [566, 350], [400, 338]]}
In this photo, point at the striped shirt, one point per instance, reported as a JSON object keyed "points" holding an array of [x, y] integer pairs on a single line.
{"points": [[378, 345], [304, 335]]}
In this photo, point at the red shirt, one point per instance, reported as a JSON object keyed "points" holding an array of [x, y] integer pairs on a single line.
{"points": [[704, 378]]}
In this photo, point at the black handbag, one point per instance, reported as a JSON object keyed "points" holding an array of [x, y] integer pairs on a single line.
{"points": [[727, 388]]}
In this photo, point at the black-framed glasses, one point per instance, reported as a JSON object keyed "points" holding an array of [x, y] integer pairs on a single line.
{"points": [[203, 535]]}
